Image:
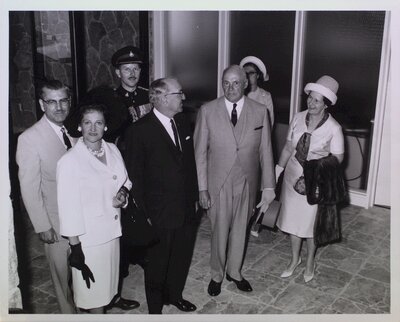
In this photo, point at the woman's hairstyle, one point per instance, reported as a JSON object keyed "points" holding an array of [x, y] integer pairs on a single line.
{"points": [[87, 108], [327, 102]]}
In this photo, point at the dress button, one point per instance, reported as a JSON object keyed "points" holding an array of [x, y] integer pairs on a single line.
{"points": [[114, 177], [237, 149], [116, 217]]}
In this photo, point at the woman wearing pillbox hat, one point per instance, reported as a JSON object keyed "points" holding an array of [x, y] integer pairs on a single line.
{"points": [[313, 134], [256, 75]]}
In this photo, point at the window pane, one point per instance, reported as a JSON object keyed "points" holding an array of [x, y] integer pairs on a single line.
{"points": [[53, 46], [192, 54], [267, 35], [347, 46]]}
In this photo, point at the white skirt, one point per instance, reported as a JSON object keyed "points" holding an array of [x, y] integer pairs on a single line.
{"points": [[103, 261], [296, 216]]}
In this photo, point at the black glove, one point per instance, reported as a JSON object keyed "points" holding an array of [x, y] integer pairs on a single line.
{"points": [[77, 260]]}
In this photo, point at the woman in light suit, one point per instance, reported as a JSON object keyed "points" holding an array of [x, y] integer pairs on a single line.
{"points": [[92, 186]]}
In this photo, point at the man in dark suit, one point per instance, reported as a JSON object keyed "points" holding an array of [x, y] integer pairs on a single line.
{"points": [[160, 162]]}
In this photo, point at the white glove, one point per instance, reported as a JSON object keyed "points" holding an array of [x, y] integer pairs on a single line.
{"points": [[278, 171], [266, 198]]}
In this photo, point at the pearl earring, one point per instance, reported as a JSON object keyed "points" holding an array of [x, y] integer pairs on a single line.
{"points": [[79, 129], [106, 128]]}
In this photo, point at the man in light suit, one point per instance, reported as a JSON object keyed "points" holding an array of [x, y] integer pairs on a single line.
{"points": [[160, 162], [38, 150], [232, 146]]}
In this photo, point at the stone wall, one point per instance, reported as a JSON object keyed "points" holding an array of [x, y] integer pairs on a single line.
{"points": [[53, 46], [106, 32], [22, 91]]}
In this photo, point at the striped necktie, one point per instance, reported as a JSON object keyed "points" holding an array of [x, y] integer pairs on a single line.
{"points": [[67, 142]]}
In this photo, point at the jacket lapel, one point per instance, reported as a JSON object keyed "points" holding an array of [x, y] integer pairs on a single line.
{"points": [[244, 120], [164, 134], [224, 119], [181, 134], [96, 164], [51, 136]]}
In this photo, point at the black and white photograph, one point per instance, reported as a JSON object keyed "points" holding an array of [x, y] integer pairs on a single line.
{"points": [[200, 162]]}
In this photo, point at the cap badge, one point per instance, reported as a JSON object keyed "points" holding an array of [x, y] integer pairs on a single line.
{"points": [[131, 54]]}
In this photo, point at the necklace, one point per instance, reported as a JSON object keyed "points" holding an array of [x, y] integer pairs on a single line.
{"points": [[97, 153]]}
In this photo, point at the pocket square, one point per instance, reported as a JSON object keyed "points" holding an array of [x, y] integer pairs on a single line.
{"points": [[260, 127], [187, 138]]}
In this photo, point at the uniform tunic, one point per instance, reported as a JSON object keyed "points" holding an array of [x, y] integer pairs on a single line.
{"points": [[297, 216], [137, 101]]}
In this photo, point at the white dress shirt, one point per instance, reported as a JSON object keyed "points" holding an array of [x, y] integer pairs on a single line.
{"points": [[166, 122], [57, 130], [239, 106]]}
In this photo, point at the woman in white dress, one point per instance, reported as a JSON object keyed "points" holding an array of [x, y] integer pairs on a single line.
{"points": [[256, 75], [92, 186], [313, 134]]}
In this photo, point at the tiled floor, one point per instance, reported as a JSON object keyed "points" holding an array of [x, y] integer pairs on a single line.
{"points": [[352, 276]]}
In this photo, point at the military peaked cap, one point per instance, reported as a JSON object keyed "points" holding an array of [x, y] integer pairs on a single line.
{"points": [[127, 55]]}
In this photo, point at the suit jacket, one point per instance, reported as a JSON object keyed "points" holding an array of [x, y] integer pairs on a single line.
{"points": [[86, 187], [164, 178], [38, 151], [216, 147]]}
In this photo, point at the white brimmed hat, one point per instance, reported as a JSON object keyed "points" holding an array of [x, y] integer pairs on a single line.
{"points": [[326, 86], [256, 61]]}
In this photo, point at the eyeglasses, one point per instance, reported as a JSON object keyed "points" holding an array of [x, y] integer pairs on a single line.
{"points": [[182, 94], [251, 73], [64, 102]]}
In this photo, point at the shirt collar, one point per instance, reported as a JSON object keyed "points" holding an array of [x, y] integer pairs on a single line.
{"points": [[55, 127], [125, 92], [239, 103], [163, 119]]}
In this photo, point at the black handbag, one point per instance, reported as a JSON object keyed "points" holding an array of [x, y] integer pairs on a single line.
{"points": [[137, 229]]}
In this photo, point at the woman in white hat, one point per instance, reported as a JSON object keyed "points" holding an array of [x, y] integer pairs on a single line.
{"points": [[313, 134], [256, 75]]}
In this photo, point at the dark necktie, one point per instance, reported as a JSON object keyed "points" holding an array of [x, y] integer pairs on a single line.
{"points": [[67, 142], [174, 129], [234, 115]]}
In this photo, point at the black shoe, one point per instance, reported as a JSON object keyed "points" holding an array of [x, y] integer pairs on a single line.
{"points": [[242, 285], [123, 304], [214, 288], [183, 305]]}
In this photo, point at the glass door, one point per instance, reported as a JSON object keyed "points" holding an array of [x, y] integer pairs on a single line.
{"points": [[347, 46]]}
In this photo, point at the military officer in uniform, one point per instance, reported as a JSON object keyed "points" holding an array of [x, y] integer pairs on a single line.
{"points": [[125, 104], [127, 62]]}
